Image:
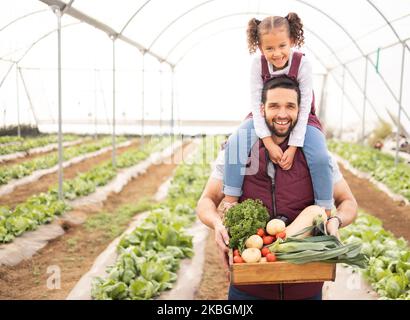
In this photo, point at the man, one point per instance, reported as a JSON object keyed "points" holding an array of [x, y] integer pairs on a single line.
{"points": [[284, 193]]}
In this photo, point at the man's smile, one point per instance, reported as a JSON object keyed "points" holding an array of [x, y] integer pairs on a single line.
{"points": [[281, 122]]}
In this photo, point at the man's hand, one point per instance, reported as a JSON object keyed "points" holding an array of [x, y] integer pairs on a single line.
{"points": [[222, 241], [286, 161], [332, 228], [221, 236]]}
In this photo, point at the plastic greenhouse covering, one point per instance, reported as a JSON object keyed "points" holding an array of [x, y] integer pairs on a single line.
{"points": [[182, 66]]}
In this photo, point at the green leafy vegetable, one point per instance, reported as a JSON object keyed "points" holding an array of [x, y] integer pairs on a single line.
{"points": [[380, 165], [149, 257], [243, 220], [42, 208], [388, 267]]}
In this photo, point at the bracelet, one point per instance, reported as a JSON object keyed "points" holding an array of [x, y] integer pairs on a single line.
{"points": [[338, 218]]}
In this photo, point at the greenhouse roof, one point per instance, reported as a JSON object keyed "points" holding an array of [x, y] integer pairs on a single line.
{"points": [[339, 34], [341, 30]]}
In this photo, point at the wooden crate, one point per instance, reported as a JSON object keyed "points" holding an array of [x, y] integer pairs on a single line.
{"points": [[280, 272]]}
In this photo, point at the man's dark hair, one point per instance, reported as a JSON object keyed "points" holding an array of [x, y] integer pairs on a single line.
{"points": [[280, 82]]}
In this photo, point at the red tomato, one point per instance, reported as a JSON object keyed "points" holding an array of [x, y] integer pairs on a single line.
{"points": [[265, 251], [238, 259], [260, 232], [270, 257], [281, 235], [268, 239], [236, 253]]}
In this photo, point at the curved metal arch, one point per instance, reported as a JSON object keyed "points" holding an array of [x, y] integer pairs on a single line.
{"points": [[21, 18], [45, 36], [176, 19], [321, 12], [32, 45], [300, 1], [7, 74], [200, 27], [133, 16], [388, 23], [333, 20], [346, 69], [314, 33], [375, 51], [114, 35], [361, 52], [348, 34], [316, 56], [197, 43]]}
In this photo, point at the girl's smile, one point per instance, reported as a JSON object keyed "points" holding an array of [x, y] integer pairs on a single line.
{"points": [[276, 46]]}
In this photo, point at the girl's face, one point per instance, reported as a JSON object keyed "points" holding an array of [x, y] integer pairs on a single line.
{"points": [[275, 46]]}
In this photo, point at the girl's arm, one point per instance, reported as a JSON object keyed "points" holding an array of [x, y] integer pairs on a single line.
{"points": [[261, 129], [256, 85], [305, 79]]}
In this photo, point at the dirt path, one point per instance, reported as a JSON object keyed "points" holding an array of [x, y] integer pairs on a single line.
{"points": [[214, 284], [395, 215], [21, 193], [74, 253]]}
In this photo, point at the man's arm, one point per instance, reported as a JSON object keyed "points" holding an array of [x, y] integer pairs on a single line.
{"points": [[208, 214], [346, 206]]}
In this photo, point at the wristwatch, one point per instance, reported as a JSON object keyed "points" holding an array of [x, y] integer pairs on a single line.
{"points": [[338, 218]]}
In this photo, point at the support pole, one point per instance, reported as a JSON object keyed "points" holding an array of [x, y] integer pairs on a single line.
{"points": [[58, 14], [396, 159], [143, 97], [364, 100], [172, 102], [28, 96], [95, 104], [18, 101], [114, 160], [160, 98], [322, 110], [342, 103]]}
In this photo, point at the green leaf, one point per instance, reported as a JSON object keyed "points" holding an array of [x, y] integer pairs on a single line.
{"points": [[243, 220], [141, 288]]}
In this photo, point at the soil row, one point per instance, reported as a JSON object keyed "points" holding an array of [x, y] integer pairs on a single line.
{"points": [[21, 193], [73, 254]]}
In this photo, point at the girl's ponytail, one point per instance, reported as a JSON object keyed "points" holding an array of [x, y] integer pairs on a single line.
{"points": [[295, 29], [252, 35]]}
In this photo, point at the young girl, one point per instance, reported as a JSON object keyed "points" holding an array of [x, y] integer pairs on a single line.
{"points": [[276, 37]]}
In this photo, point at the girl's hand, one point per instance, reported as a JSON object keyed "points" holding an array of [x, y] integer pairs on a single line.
{"points": [[275, 153], [287, 159]]}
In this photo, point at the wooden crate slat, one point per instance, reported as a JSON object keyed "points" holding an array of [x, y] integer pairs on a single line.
{"points": [[281, 272]]}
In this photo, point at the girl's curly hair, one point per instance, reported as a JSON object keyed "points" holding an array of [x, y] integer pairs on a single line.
{"points": [[257, 28]]}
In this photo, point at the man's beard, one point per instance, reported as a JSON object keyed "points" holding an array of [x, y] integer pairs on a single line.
{"points": [[272, 129]]}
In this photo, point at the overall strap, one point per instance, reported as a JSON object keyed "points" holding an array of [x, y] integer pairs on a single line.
{"points": [[294, 67], [265, 69]]}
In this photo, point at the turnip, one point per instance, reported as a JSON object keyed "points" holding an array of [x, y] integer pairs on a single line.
{"points": [[251, 255], [275, 226], [254, 241]]}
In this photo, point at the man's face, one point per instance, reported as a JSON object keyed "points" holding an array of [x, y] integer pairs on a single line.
{"points": [[281, 111]]}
